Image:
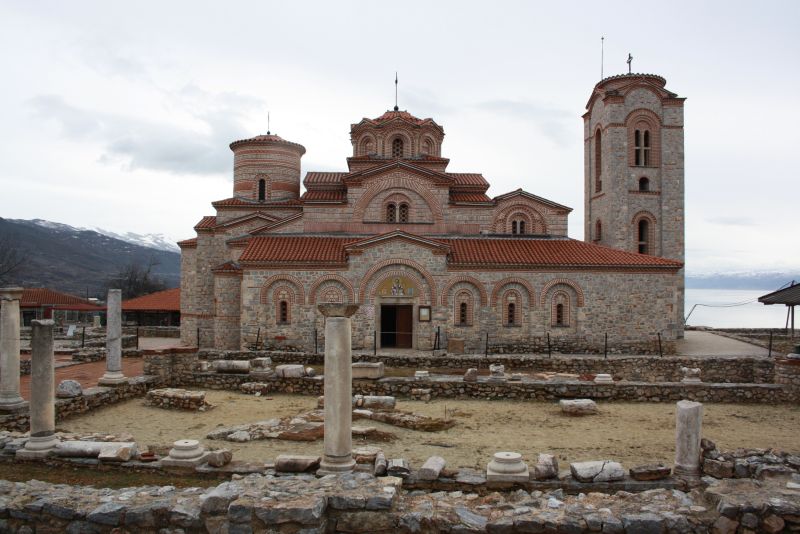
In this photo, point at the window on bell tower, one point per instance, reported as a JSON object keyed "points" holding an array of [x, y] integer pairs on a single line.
{"points": [[641, 148], [598, 161], [397, 148], [262, 190]]}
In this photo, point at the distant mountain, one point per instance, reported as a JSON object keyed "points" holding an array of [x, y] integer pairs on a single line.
{"points": [[767, 281], [79, 260]]}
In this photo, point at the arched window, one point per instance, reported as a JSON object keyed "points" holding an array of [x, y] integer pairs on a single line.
{"points": [[391, 213], [366, 146], [462, 313], [511, 314], [560, 309], [513, 227], [397, 148], [522, 227], [403, 213], [262, 190], [644, 236], [598, 161], [463, 308], [641, 148], [283, 312], [598, 230], [559, 314], [644, 184], [427, 147]]}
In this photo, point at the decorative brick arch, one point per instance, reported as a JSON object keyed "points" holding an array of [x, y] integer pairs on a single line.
{"points": [[467, 280], [536, 221], [363, 140], [513, 280], [403, 135], [397, 182], [312, 294], [563, 281], [380, 277], [638, 119], [365, 280], [299, 293]]}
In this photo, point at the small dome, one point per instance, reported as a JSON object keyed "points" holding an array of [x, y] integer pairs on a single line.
{"points": [[267, 139], [405, 115]]}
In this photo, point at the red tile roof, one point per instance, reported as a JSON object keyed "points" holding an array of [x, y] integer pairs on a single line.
{"points": [[324, 196], [37, 297], [206, 223], [468, 178], [227, 267], [167, 300], [296, 249], [405, 115], [242, 202], [188, 242], [269, 139], [478, 252], [318, 178], [469, 197], [490, 252]]}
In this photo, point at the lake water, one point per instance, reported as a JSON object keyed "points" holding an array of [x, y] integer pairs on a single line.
{"points": [[753, 314]]}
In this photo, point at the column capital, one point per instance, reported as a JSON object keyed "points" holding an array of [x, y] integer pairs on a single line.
{"points": [[11, 293], [337, 310]]}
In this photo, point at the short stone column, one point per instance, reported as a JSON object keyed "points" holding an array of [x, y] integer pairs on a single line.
{"points": [[43, 410], [113, 375], [10, 399], [688, 432], [338, 456]]}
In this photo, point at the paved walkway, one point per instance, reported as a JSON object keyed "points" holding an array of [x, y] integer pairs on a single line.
{"points": [[699, 343]]}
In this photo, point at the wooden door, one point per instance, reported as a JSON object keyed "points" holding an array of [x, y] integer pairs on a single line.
{"points": [[405, 316]]}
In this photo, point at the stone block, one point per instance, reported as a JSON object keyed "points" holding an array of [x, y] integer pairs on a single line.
{"points": [[231, 366], [455, 345], [718, 468], [117, 452], [397, 467], [546, 467], [471, 375], [650, 472], [290, 371], [292, 463], [431, 469], [374, 402], [597, 471], [368, 370], [578, 406], [69, 389], [219, 457], [603, 378]]}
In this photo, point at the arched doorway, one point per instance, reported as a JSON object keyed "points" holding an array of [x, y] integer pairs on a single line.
{"points": [[394, 299]]}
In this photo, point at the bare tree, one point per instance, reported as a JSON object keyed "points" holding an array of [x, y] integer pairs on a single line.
{"points": [[136, 280], [11, 258]]}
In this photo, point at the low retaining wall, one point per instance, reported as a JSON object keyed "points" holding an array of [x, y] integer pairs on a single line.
{"points": [[153, 331], [91, 399], [739, 369]]}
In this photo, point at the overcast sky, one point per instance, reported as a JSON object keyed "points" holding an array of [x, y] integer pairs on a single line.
{"points": [[119, 115]]}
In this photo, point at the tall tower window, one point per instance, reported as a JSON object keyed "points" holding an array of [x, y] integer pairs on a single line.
{"points": [[644, 236], [403, 213], [641, 148], [462, 313], [522, 227], [598, 161], [397, 148], [391, 213], [514, 227], [283, 312], [511, 317], [559, 314], [262, 190], [644, 184], [598, 230]]}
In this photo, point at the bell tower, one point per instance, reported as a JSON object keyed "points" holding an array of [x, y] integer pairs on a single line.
{"points": [[633, 168]]}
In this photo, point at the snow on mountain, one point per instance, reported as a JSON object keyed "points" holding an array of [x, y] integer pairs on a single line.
{"points": [[156, 241]]}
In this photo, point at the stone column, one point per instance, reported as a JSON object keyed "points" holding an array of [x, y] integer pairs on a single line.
{"points": [[113, 373], [10, 400], [688, 432], [43, 409], [338, 457]]}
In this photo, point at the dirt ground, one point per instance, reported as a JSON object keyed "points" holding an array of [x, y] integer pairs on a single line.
{"points": [[633, 433]]}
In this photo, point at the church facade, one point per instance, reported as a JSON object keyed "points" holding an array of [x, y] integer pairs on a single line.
{"points": [[431, 258]]}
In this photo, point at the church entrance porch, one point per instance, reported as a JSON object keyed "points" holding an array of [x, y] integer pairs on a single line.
{"points": [[396, 325]]}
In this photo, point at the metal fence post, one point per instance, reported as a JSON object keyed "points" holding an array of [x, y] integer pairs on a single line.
{"points": [[83, 338], [549, 349], [770, 345], [137, 338], [374, 342], [605, 347], [315, 341], [660, 351], [198, 337], [486, 350]]}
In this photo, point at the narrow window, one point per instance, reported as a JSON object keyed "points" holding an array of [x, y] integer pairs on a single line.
{"points": [[283, 312], [262, 190], [559, 314], [598, 230], [521, 227], [397, 148], [403, 213], [644, 237], [637, 148], [646, 149], [511, 314], [462, 313], [391, 213], [513, 227], [644, 184], [598, 161]]}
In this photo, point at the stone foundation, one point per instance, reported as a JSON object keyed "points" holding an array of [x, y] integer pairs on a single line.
{"points": [[177, 399]]}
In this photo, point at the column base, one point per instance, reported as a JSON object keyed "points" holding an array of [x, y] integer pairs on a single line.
{"points": [[13, 405], [112, 378], [38, 447], [686, 473], [332, 465]]}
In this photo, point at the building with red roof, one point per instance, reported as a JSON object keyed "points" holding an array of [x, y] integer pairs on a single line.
{"points": [[162, 308], [429, 255], [43, 303]]}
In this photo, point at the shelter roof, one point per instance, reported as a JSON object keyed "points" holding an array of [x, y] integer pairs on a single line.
{"points": [[788, 295], [167, 300], [42, 296]]}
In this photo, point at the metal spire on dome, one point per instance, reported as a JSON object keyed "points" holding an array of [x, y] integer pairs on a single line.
{"points": [[630, 60], [395, 92]]}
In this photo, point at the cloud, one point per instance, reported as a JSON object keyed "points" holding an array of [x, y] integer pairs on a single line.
{"points": [[553, 123], [160, 146], [732, 221]]}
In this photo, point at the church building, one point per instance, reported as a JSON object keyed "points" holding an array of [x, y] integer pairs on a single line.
{"points": [[432, 259]]}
